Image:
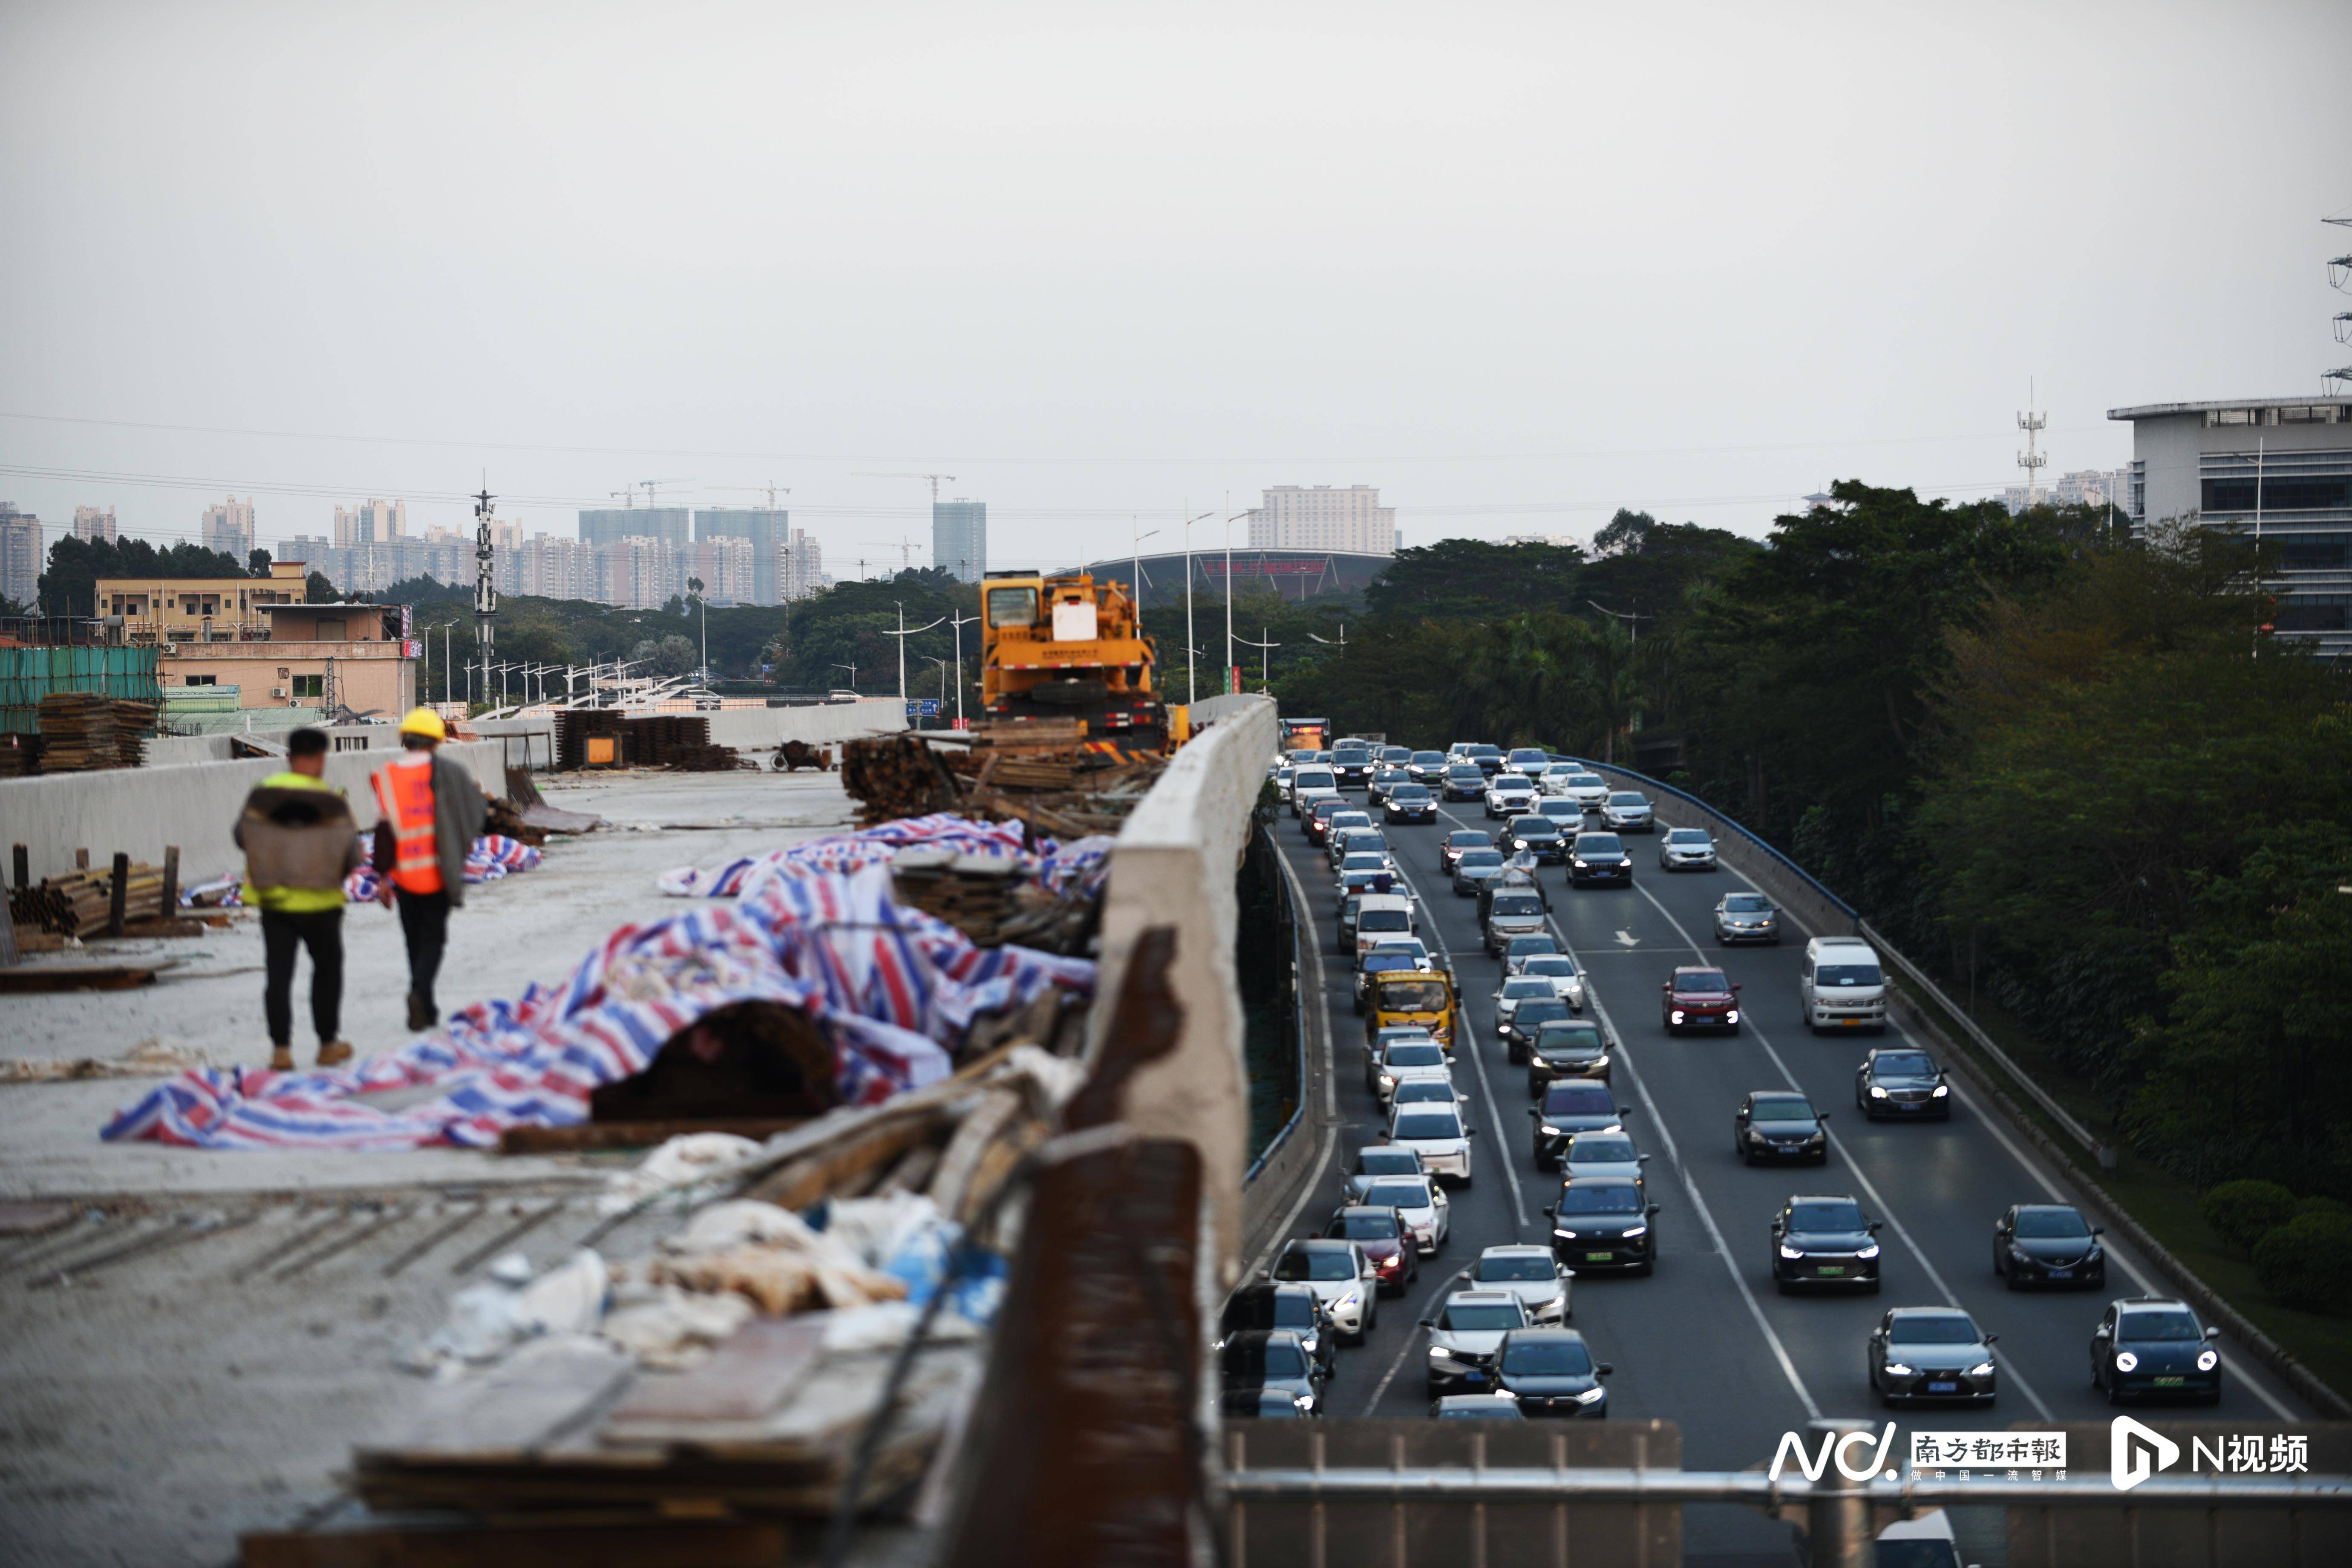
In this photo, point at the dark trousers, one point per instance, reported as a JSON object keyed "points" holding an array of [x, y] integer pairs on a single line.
{"points": [[425, 921], [321, 931]]}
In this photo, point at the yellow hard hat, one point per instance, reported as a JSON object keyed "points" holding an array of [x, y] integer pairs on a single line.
{"points": [[427, 722]]}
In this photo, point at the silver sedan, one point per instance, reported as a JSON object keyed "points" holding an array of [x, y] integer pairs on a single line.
{"points": [[1687, 849], [1745, 917]]}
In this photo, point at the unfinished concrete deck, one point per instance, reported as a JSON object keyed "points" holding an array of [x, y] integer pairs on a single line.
{"points": [[152, 1409]]}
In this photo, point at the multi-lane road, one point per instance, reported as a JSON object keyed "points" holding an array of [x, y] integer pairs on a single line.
{"points": [[1705, 1341]]}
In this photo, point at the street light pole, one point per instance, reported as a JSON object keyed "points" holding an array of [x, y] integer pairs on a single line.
{"points": [[1191, 657], [959, 622], [1135, 564], [1263, 679], [902, 634]]}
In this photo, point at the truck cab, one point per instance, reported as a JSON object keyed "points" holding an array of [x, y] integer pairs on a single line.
{"points": [[1063, 647], [1412, 997]]}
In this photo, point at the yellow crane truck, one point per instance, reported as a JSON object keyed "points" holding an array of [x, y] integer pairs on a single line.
{"points": [[1061, 645]]}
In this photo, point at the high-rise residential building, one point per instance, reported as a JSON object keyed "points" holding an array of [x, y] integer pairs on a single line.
{"points": [[727, 568], [376, 523], [604, 524], [94, 523], [801, 572], [768, 529], [20, 554], [960, 538], [554, 568], [639, 573], [1348, 518], [228, 528], [2085, 487]]}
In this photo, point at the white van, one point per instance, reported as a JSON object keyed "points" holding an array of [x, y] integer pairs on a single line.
{"points": [[1840, 985], [1309, 785], [1378, 917]]}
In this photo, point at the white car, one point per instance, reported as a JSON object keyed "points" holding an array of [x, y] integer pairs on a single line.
{"points": [[1553, 780], [1588, 790], [1560, 969], [1436, 1133], [1424, 1087], [1419, 1201], [1530, 1273], [1627, 811], [1364, 861], [1342, 1277], [1687, 849], [1309, 785], [1601, 1154], [1509, 794], [1465, 1338]]}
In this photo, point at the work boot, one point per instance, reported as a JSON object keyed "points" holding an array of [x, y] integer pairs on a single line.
{"points": [[421, 1014], [281, 1058], [334, 1053]]}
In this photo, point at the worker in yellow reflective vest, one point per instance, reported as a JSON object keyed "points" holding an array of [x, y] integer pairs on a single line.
{"points": [[300, 841], [431, 813]]}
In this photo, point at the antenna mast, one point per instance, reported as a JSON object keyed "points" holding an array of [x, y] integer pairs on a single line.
{"points": [[2031, 460], [2339, 276], [485, 590]]}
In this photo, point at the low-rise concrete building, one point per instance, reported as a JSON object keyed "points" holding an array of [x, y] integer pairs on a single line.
{"points": [[198, 609], [332, 656]]}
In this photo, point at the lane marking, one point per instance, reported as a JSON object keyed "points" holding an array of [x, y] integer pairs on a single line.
{"points": [[1698, 1201], [1477, 1059], [1877, 1199], [1330, 1087], [1991, 1121]]}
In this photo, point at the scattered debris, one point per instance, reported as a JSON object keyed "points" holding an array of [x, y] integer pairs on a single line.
{"points": [[148, 1058], [795, 755]]}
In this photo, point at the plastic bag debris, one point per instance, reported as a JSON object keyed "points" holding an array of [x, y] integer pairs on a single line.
{"points": [[687, 1163]]}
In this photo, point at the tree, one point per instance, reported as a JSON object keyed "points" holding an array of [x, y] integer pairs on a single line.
{"points": [[1471, 579], [668, 656], [257, 562], [317, 590], [70, 585]]}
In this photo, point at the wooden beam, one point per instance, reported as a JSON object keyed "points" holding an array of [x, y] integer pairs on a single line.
{"points": [[716, 1543]]}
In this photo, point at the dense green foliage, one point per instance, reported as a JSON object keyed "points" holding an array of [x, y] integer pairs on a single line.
{"points": [[2065, 767], [70, 587], [2242, 1212], [2307, 1262]]}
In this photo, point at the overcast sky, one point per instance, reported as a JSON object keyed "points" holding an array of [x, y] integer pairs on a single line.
{"points": [[1516, 265]]}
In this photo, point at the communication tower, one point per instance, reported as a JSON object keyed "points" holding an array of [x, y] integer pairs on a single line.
{"points": [[2032, 459], [2339, 276], [486, 589]]}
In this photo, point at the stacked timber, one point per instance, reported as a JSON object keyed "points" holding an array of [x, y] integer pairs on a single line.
{"points": [[706, 759], [133, 722], [78, 733], [572, 728], [973, 893], [895, 776], [79, 902], [665, 738]]}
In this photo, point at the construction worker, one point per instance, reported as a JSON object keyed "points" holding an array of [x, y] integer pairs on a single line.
{"points": [[300, 841], [433, 812]]}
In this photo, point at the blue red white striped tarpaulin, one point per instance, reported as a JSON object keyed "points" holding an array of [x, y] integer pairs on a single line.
{"points": [[885, 985]]}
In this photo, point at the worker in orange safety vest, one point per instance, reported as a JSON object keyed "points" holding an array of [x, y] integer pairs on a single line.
{"points": [[432, 811]]}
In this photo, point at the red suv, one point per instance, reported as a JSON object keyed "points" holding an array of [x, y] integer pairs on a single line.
{"points": [[1699, 998]]}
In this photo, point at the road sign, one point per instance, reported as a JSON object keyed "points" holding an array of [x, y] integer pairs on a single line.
{"points": [[922, 708]]}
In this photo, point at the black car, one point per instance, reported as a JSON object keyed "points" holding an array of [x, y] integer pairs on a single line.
{"points": [[1603, 1222], [2147, 1346], [1931, 1353], [1900, 1081], [1537, 835], [1488, 758], [1597, 858], [1549, 1371], [1568, 1108], [1565, 1047], [1273, 1359], [1777, 1124], [1426, 767], [1825, 1241], [1410, 802], [2047, 1243], [1353, 765], [1465, 780], [1263, 1304], [1526, 1017]]}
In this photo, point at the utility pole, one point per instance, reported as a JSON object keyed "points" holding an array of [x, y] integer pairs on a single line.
{"points": [[1191, 657], [902, 634], [1135, 563], [1263, 677], [485, 590], [959, 622]]}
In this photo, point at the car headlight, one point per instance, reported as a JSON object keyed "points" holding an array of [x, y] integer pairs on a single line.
{"points": [[1564, 1235], [1876, 1093], [1732, 1016], [1305, 1402], [1982, 1369], [2126, 1361], [1346, 1303], [1870, 1251], [1599, 1061], [1788, 1251], [1550, 1303], [1941, 1090], [2208, 1360], [1438, 1353], [1310, 1345], [1593, 1396], [1676, 1014], [2020, 1255], [1386, 1082], [1546, 1131], [1897, 1369], [1580, 866], [1636, 1233]]}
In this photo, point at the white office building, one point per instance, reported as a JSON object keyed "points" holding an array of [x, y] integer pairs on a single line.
{"points": [[1347, 518]]}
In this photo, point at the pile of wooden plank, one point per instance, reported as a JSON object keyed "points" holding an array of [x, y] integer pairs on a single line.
{"points": [[707, 759], [895, 776], [662, 739], [572, 728], [78, 733], [79, 902], [133, 722], [973, 893]]}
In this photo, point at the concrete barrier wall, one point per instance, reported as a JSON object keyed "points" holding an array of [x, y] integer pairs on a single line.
{"points": [[139, 811], [1174, 864], [824, 724]]}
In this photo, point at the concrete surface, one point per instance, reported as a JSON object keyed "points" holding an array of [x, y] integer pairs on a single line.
{"points": [[152, 1409], [531, 926]]}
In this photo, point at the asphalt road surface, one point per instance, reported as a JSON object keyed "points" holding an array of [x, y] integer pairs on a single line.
{"points": [[1706, 1341]]}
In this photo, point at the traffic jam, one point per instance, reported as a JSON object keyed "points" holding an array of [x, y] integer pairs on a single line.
{"points": [[1617, 1136]]}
